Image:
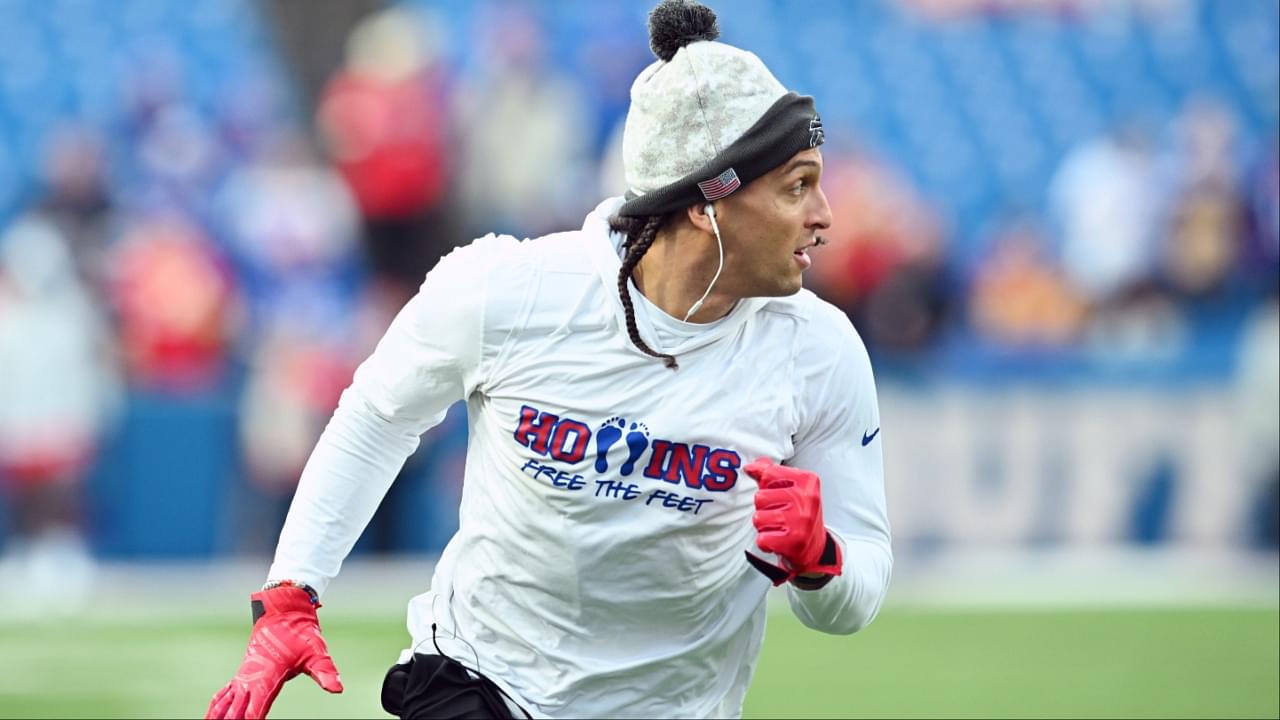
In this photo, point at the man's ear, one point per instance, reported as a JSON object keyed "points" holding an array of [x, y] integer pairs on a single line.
{"points": [[699, 215]]}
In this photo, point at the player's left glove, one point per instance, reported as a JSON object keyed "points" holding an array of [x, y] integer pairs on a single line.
{"points": [[788, 520]]}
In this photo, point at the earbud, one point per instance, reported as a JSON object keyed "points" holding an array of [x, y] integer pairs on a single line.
{"points": [[711, 215]]}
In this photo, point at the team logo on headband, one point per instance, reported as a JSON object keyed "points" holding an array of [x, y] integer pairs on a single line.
{"points": [[720, 186], [817, 135]]}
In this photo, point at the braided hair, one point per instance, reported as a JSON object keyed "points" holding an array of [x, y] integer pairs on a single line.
{"points": [[640, 232]]}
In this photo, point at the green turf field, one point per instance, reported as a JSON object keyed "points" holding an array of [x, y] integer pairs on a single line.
{"points": [[1120, 663]]}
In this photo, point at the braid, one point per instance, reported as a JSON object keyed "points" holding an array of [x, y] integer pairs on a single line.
{"points": [[640, 233]]}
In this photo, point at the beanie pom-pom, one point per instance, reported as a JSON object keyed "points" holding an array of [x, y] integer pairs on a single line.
{"points": [[676, 23]]}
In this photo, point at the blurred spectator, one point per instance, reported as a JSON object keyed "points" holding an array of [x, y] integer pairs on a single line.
{"points": [[179, 163], [385, 120], [1207, 217], [77, 198], [1257, 386], [1104, 200], [885, 264], [526, 131], [1142, 324], [294, 381], [291, 226], [906, 313], [169, 155], [293, 232], [174, 297], [250, 113], [1262, 252], [1019, 297], [58, 388]]}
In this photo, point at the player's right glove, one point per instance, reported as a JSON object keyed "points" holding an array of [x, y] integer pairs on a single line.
{"points": [[788, 521], [285, 642]]}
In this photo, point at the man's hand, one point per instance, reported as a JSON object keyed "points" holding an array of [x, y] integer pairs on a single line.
{"points": [[285, 641], [788, 519]]}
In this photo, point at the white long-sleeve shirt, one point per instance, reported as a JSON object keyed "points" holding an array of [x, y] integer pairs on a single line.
{"points": [[598, 568]]}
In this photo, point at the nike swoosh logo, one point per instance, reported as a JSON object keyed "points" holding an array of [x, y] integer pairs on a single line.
{"points": [[866, 439]]}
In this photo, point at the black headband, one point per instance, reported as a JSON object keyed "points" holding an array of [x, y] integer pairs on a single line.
{"points": [[790, 125]]}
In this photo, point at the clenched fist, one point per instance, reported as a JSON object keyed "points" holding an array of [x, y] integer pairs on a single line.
{"points": [[788, 520]]}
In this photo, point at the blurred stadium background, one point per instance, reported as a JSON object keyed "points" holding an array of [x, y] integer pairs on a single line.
{"points": [[1058, 230]]}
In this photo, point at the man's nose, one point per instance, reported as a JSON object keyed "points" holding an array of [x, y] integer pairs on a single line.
{"points": [[820, 214]]}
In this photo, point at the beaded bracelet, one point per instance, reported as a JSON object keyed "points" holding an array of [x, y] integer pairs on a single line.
{"points": [[310, 591]]}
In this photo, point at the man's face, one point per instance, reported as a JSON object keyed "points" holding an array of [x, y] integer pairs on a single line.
{"points": [[769, 225]]}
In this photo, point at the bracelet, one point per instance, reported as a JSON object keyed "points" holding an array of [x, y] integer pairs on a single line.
{"points": [[310, 591]]}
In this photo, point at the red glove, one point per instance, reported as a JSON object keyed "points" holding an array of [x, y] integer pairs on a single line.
{"points": [[788, 519], [285, 641]]}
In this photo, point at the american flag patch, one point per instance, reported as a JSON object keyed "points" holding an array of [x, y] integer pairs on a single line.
{"points": [[720, 186]]}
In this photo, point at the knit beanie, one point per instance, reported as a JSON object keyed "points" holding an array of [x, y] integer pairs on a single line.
{"points": [[706, 118]]}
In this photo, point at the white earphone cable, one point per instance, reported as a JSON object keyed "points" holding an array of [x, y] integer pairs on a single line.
{"points": [[711, 215]]}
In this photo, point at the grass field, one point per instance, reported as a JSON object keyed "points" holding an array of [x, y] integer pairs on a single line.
{"points": [[911, 663]]}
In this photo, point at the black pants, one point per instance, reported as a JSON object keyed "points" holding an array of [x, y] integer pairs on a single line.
{"points": [[435, 686]]}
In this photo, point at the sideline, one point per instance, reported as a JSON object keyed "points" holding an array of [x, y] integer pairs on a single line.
{"points": [[979, 580]]}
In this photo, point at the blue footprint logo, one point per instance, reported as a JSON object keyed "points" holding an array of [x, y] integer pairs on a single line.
{"points": [[606, 437], [637, 443]]}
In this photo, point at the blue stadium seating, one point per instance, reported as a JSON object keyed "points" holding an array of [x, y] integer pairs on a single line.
{"points": [[978, 111]]}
